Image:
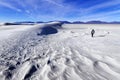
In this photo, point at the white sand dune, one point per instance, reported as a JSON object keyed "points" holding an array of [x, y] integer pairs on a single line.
{"points": [[54, 52]]}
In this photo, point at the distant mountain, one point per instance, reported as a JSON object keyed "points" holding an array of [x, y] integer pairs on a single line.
{"points": [[39, 22], [115, 22], [62, 22], [96, 22], [24, 22], [11, 23], [78, 22], [21, 23]]}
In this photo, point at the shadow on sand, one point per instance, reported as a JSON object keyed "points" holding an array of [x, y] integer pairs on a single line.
{"points": [[48, 30]]}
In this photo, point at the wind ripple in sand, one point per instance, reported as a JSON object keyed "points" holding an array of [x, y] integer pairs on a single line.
{"points": [[63, 54]]}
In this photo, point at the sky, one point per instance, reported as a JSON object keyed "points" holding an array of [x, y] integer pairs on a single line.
{"points": [[63, 10]]}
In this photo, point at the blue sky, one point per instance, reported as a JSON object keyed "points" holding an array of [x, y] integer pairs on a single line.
{"points": [[49, 10]]}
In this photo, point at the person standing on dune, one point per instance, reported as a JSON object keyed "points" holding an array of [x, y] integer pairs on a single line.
{"points": [[92, 32]]}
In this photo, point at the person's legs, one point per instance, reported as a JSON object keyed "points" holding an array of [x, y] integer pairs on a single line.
{"points": [[92, 34]]}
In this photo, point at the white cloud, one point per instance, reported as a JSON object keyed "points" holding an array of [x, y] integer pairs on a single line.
{"points": [[88, 13], [100, 15], [102, 5], [27, 11], [54, 2], [4, 4]]}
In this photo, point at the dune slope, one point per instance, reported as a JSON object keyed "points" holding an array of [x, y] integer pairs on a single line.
{"points": [[53, 51]]}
